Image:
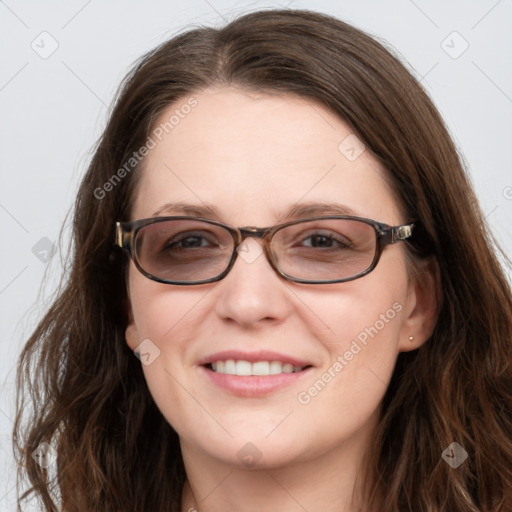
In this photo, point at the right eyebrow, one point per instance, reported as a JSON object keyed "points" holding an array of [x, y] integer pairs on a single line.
{"points": [[182, 208]]}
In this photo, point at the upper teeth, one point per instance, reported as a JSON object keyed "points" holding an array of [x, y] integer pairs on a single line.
{"points": [[232, 367]]}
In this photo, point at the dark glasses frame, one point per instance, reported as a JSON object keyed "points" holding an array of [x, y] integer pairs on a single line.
{"points": [[126, 234]]}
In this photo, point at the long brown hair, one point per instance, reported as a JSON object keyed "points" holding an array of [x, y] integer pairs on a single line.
{"points": [[82, 391]]}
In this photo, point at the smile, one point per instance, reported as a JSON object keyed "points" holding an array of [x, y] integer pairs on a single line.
{"points": [[258, 368], [253, 374]]}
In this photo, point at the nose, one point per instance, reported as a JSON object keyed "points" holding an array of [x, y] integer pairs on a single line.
{"points": [[252, 292]]}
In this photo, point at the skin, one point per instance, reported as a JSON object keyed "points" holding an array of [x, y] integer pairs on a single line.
{"points": [[253, 156]]}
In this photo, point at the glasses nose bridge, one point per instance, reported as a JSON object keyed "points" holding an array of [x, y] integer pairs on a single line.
{"points": [[252, 231], [248, 231]]}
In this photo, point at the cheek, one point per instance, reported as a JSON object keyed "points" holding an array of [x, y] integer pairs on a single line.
{"points": [[362, 346], [160, 310], [361, 338], [364, 310], [361, 325], [167, 319]]}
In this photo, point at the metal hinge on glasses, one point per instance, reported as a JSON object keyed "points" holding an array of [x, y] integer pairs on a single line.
{"points": [[401, 232]]}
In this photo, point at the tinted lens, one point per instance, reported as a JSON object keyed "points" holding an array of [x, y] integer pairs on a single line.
{"points": [[325, 249], [183, 250]]}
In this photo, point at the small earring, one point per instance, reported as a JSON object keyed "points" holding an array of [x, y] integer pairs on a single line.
{"points": [[411, 338]]}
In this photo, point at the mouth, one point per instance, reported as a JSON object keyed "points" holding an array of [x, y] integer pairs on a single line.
{"points": [[253, 374]]}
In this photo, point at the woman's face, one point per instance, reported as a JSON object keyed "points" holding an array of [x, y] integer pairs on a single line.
{"points": [[252, 158]]}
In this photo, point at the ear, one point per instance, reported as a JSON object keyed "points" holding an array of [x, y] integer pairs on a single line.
{"points": [[422, 306], [132, 335]]}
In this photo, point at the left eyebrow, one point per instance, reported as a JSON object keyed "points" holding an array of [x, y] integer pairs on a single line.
{"points": [[311, 209], [297, 211]]}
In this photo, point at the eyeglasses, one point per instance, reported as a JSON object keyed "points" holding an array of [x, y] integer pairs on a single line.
{"points": [[191, 250]]}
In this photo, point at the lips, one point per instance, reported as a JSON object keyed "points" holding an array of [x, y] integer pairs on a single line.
{"points": [[253, 373]]}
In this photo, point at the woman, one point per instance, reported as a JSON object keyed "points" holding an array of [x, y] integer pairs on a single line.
{"points": [[350, 352]]}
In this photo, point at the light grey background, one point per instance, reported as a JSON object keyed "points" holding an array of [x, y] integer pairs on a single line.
{"points": [[54, 106]]}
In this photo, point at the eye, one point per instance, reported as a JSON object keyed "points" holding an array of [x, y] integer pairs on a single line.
{"points": [[190, 240], [326, 240]]}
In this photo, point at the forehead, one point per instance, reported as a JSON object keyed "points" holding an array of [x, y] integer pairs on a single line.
{"points": [[253, 155]]}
